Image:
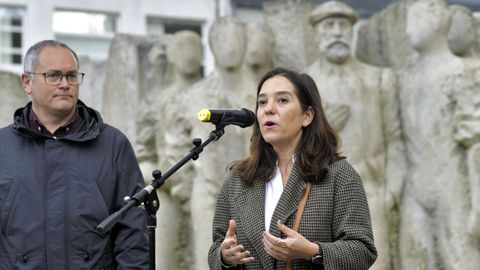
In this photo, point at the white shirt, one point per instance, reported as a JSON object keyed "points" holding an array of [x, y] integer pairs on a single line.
{"points": [[273, 191]]}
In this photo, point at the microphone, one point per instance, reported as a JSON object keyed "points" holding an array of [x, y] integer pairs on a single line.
{"points": [[242, 118]]}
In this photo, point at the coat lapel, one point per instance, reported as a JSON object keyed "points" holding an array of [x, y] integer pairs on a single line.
{"points": [[288, 203], [252, 216], [251, 205]]}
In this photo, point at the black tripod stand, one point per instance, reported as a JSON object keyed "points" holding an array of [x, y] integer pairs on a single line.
{"points": [[148, 195]]}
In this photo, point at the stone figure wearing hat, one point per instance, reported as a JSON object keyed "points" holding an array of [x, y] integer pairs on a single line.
{"points": [[361, 104]]}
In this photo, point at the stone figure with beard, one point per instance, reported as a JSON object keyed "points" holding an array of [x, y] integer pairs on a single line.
{"points": [[361, 104]]}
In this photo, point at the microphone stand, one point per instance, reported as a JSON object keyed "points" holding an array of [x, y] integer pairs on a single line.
{"points": [[148, 195]]}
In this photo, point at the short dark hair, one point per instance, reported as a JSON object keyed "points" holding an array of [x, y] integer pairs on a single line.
{"points": [[31, 57], [318, 147]]}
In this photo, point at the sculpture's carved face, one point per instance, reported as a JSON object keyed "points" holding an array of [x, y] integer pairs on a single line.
{"points": [[462, 34], [228, 46], [426, 22], [188, 55], [259, 49], [334, 36]]}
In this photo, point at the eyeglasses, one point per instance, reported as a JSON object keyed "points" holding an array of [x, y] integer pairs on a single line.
{"points": [[55, 78]]}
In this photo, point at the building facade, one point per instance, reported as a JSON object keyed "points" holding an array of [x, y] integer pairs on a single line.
{"points": [[88, 26]]}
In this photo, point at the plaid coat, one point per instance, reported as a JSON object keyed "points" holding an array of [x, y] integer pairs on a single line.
{"points": [[336, 215]]}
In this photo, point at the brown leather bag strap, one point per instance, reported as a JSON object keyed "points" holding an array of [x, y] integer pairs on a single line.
{"points": [[299, 213]]}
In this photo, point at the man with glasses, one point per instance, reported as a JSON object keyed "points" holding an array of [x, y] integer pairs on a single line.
{"points": [[62, 172]]}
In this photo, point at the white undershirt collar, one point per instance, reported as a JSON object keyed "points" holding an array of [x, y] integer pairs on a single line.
{"points": [[273, 192]]}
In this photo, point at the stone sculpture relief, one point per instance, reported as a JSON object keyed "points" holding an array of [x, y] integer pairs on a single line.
{"points": [[467, 133], [462, 36], [220, 89], [136, 65], [425, 209], [437, 87], [382, 40], [13, 96], [360, 102], [163, 139], [294, 37], [258, 60], [93, 83]]}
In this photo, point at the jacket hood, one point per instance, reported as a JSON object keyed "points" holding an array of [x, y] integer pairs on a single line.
{"points": [[89, 130]]}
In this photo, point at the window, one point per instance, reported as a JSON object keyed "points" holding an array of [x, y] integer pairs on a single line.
{"points": [[11, 24], [89, 34], [160, 26]]}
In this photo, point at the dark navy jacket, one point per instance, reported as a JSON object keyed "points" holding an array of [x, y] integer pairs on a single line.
{"points": [[54, 192]]}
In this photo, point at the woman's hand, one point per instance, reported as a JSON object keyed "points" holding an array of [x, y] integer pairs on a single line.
{"points": [[295, 246], [232, 252]]}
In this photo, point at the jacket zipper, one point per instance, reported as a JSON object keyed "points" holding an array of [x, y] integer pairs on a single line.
{"points": [[45, 196]]}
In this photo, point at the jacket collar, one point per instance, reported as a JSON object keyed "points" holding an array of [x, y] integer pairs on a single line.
{"points": [[89, 130], [289, 200]]}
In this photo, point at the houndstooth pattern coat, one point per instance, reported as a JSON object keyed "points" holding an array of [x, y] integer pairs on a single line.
{"points": [[336, 215]]}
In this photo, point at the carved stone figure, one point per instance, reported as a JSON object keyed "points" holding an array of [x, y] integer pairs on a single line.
{"points": [[12, 96], [220, 89], [133, 68], [437, 197], [463, 33], [467, 133], [163, 139], [93, 83], [462, 39], [382, 40], [361, 104], [258, 60], [477, 26], [294, 37]]}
